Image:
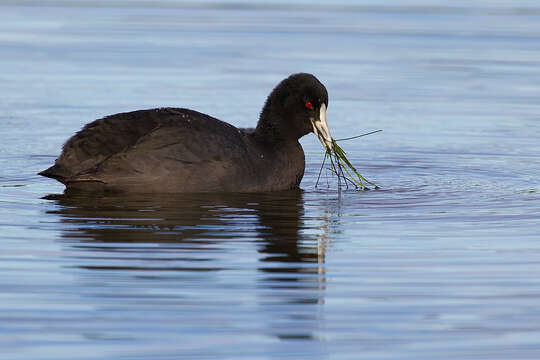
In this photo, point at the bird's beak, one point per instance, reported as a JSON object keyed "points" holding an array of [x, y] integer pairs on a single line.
{"points": [[320, 128]]}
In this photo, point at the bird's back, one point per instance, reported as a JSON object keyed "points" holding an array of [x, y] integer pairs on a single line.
{"points": [[165, 149]]}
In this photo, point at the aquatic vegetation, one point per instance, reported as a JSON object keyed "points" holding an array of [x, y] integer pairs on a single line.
{"points": [[341, 166]]}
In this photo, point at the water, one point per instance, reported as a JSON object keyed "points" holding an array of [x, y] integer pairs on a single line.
{"points": [[441, 263]]}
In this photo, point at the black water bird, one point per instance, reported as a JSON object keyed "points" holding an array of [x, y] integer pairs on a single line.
{"points": [[171, 150]]}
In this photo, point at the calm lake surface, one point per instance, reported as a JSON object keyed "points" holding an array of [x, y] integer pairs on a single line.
{"points": [[442, 262]]}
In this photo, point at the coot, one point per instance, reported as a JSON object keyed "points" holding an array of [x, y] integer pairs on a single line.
{"points": [[170, 150]]}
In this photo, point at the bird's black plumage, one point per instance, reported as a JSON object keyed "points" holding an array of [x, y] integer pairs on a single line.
{"points": [[181, 150]]}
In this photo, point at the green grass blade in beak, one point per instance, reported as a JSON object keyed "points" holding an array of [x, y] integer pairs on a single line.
{"points": [[320, 129]]}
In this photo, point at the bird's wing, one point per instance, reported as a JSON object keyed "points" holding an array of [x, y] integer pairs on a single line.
{"points": [[188, 150], [117, 134]]}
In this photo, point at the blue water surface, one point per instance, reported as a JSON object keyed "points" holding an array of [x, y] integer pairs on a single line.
{"points": [[441, 262]]}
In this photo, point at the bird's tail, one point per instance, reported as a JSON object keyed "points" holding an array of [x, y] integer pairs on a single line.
{"points": [[56, 172]]}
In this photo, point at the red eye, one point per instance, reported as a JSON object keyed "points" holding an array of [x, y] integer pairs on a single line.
{"points": [[309, 105]]}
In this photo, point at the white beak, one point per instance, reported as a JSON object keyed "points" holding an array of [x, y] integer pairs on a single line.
{"points": [[320, 128]]}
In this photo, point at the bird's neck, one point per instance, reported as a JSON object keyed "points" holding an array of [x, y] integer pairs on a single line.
{"points": [[271, 129]]}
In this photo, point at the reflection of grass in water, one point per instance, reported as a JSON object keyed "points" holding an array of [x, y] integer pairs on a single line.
{"points": [[342, 167]]}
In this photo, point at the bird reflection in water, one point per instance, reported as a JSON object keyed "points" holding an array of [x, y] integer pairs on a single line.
{"points": [[198, 240]]}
